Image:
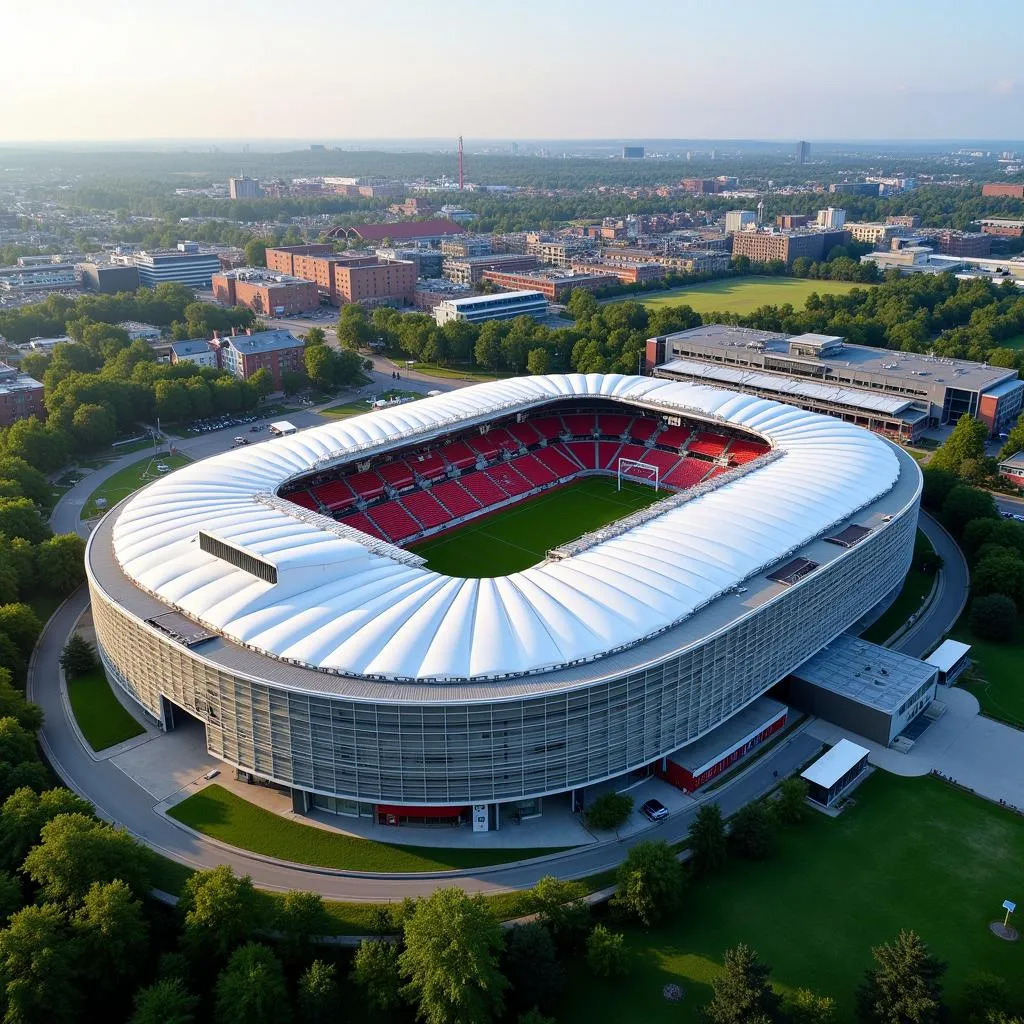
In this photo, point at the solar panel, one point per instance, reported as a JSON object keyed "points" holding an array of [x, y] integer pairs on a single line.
{"points": [[793, 571], [178, 628], [849, 536]]}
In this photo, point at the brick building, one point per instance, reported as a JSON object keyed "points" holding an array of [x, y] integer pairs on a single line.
{"points": [[265, 291], [766, 246], [904, 220], [276, 351], [1004, 190], [699, 186], [791, 221], [555, 286], [1002, 228], [470, 269], [282, 258], [627, 273], [964, 243], [341, 278], [21, 396]]}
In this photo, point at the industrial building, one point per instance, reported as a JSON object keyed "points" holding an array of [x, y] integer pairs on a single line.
{"points": [[896, 393], [21, 396], [476, 309], [265, 291]]}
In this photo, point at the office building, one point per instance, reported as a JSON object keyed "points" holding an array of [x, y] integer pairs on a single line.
{"points": [[467, 245], [427, 261], [876, 234], [109, 278], [264, 291], [470, 269], [504, 306], [39, 277], [244, 188], [964, 243], [1003, 190], [276, 351], [766, 246], [632, 152], [21, 396], [740, 220], [187, 264], [554, 285], [901, 394], [803, 152], [1002, 227], [699, 186], [831, 218], [625, 272]]}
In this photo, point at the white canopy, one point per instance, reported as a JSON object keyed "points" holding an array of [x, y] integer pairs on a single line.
{"points": [[835, 763], [374, 616]]}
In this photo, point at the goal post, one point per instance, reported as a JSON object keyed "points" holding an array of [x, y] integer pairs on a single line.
{"points": [[636, 469]]}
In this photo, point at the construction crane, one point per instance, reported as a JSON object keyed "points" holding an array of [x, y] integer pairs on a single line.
{"points": [[460, 163]]}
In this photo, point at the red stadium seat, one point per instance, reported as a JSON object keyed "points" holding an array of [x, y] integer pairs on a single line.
{"points": [[486, 445], [524, 433], [429, 466], [579, 424], [636, 452], [304, 500], [708, 443], [334, 495], [367, 485], [613, 424], [455, 498], [672, 437], [394, 521], [742, 451], [584, 452], [511, 482], [459, 454], [549, 427], [397, 473], [607, 454], [665, 461], [503, 439], [360, 521], [483, 488], [642, 428], [557, 461], [687, 473], [426, 508], [536, 473]]}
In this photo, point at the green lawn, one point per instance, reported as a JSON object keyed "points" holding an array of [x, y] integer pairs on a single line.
{"points": [[516, 538], [216, 812], [345, 409], [100, 715], [997, 679], [454, 372], [916, 587], [128, 480], [745, 294], [1017, 341], [911, 853]]}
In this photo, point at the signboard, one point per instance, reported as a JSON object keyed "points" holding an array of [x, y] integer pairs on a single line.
{"points": [[480, 818], [1009, 905]]}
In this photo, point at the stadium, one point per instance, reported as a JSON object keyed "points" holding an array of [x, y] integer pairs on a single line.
{"points": [[496, 595]]}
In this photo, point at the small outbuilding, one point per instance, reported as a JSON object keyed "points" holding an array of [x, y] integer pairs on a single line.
{"points": [[951, 657], [835, 772], [282, 428]]}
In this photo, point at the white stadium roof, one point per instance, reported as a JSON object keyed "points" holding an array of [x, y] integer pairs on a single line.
{"points": [[343, 604]]}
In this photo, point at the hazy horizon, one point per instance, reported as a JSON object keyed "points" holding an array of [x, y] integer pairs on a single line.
{"points": [[541, 71]]}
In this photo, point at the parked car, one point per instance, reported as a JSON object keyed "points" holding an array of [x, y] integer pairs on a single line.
{"points": [[654, 810]]}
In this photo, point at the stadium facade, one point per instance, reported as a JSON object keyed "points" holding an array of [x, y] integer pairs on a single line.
{"points": [[337, 665]]}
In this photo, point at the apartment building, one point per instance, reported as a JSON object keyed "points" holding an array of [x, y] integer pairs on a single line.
{"points": [[964, 243], [1002, 228], [21, 396], [276, 351], [766, 246], [624, 272], [876, 234], [265, 291], [341, 278]]}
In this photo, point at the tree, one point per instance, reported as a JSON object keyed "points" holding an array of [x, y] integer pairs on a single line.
{"points": [[13, 705], [534, 1016], [791, 803], [538, 361], [164, 1002], [609, 811], [300, 919], [985, 996], [742, 992], [256, 252], [292, 382], [24, 814], [78, 657], [965, 442], [19, 765], [450, 961], [353, 330], [93, 426], [962, 504], [606, 953], [76, 850], [806, 1007], [320, 367], [32, 483], [318, 997], [904, 986], [561, 907], [263, 382], [707, 839], [937, 485], [649, 882], [22, 625], [251, 988], [999, 571], [752, 835], [111, 934], [37, 967], [221, 912], [61, 562], [20, 518], [375, 970], [11, 898], [535, 977]]}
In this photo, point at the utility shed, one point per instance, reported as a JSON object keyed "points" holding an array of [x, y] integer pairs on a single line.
{"points": [[950, 658], [870, 690], [835, 772]]}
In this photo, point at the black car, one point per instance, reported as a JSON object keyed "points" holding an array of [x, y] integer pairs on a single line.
{"points": [[655, 810]]}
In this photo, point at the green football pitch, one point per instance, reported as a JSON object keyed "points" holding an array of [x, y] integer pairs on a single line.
{"points": [[516, 538]]}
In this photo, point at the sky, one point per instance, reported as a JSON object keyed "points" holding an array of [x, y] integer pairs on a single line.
{"points": [[531, 69]]}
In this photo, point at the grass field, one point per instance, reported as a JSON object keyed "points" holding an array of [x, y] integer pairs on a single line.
{"points": [[912, 853], [128, 480], [745, 294], [916, 587], [998, 676], [516, 538], [216, 812], [343, 410], [1017, 341], [100, 715]]}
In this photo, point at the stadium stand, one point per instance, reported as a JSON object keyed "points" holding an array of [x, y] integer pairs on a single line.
{"points": [[536, 473], [557, 460], [484, 444], [710, 444], [428, 511], [579, 424], [608, 454], [367, 485], [687, 473], [613, 425], [506, 477], [630, 451], [394, 521], [504, 440], [398, 474], [673, 437], [741, 452], [642, 428], [361, 521], [304, 500], [665, 461], [430, 466], [456, 499], [549, 427], [458, 454], [334, 496], [523, 433], [483, 488], [584, 452]]}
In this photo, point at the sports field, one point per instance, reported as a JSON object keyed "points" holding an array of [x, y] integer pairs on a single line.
{"points": [[745, 294], [516, 538]]}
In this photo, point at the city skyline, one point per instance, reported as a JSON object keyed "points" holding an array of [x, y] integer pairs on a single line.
{"points": [[200, 72]]}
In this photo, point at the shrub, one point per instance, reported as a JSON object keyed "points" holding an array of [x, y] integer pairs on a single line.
{"points": [[609, 811], [606, 953], [994, 617]]}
